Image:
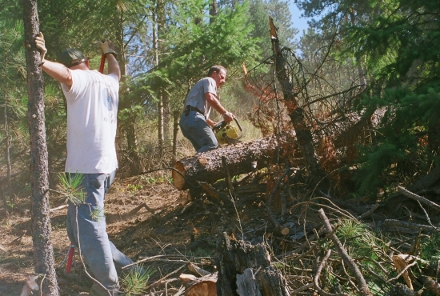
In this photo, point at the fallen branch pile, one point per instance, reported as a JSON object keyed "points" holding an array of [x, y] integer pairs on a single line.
{"points": [[267, 234]]}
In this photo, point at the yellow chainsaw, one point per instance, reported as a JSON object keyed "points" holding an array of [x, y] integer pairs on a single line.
{"points": [[227, 133]]}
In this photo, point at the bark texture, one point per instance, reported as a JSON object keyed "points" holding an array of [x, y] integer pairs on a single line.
{"points": [[245, 269], [43, 250], [296, 113], [240, 158]]}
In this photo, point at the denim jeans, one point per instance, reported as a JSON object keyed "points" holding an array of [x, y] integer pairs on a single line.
{"points": [[86, 222], [195, 128]]}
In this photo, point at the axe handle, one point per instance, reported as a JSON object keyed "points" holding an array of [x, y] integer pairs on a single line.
{"points": [[70, 258]]}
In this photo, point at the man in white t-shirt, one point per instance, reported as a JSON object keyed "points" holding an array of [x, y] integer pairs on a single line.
{"points": [[92, 105], [194, 121]]}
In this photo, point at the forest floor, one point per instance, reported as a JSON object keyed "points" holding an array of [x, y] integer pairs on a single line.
{"points": [[164, 230], [165, 223], [138, 234]]}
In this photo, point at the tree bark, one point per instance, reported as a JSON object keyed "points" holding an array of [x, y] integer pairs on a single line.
{"points": [[176, 115], [296, 113], [243, 268], [240, 158], [43, 250], [8, 157]]}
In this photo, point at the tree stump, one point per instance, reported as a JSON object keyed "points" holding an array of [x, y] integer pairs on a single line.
{"points": [[240, 158], [245, 269]]}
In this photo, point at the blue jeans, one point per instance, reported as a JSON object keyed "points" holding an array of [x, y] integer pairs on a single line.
{"points": [[195, 128], [86, 222]]}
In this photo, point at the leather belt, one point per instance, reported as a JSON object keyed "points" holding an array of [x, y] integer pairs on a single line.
{"points": [[192, 108]]}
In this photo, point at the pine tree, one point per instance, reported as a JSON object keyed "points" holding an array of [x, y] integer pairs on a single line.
{"points": [[43, 250]]}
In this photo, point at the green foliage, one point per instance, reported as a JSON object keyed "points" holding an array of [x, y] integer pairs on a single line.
{"points": [[77, 24], [197, 41], [132, 188], [402, 145], [135, 282], [357, 239], [97, 214], [374, 165], [431, 248], [70, 187]]}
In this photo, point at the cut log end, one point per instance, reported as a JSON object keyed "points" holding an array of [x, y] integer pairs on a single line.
{"points": [[178, 179], [284, 230]]}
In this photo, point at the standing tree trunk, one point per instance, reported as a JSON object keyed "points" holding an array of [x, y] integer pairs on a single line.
{"points": [[8, 159], [296, 113], [167, 115], [43, 250], [176, 115], [164, 103]]}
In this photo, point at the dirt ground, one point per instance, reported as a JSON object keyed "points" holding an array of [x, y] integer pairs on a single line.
{"points": [[165, 230], [143, 233], [145, 220]]}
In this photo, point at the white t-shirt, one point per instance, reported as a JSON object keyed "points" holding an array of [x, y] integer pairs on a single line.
{"points": [[92, 107]]}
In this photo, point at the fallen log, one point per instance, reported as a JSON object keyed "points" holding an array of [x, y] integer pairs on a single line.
{"points": [[240, 158]]}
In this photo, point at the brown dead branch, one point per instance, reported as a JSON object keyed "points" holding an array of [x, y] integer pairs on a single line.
{"points": [[369, 212], [143, 260], [58, 208], [392, 224], [162, 279], [362, 284], [111, 218], [421, 199], [197, 270], [278, 229], [18, 239], [403, 262], [318, 274]]}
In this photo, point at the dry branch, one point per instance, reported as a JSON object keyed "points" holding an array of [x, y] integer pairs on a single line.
{"points": [[392, 223], [278, 229], [124, 216], [362, 284], [318, 274], [369, 212], [197, 270], [426, 181], [421, 199], [58, 208], [403, 262]]}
